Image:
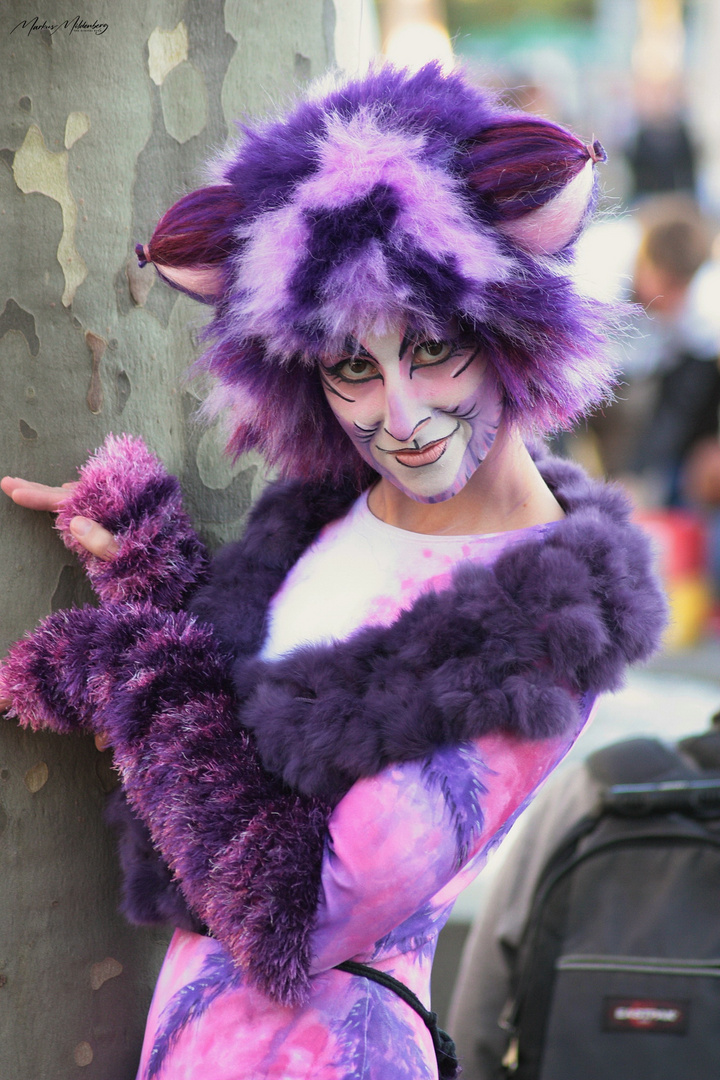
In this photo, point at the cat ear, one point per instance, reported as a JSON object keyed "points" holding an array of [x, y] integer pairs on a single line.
{"points": [[202, 283], [193, 241], [550, 228], [534, 181]]}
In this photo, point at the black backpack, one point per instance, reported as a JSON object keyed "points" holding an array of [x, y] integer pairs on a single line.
{"points": [[618, 972]]}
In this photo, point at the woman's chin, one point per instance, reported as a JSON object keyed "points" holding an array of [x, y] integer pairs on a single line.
{"points": [[429, 489]]}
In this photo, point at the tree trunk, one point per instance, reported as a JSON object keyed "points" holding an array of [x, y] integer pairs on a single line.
{"points": [[101, 130]]}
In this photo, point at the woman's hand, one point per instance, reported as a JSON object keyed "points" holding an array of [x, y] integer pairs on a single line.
{"points": [[90, 534]]}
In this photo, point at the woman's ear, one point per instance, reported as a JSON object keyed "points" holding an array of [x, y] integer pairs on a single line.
{"points": [[193, 241], [534, 181]]}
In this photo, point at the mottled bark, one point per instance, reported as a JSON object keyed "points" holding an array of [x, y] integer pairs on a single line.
{"points": [[100, 131]]}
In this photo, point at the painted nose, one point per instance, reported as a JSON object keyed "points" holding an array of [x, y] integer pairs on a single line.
{"points": [[404, 419]]}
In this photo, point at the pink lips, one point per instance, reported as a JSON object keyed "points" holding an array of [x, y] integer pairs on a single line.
{"points": [[413, 459]]}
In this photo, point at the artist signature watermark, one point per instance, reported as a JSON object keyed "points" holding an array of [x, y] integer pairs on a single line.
{"points": [[69, 26]]}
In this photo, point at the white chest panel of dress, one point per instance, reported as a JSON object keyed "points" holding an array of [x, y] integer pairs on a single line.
{"points": [[361, 571]]}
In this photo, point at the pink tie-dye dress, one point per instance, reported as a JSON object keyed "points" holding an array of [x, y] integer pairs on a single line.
{"points": [[402, 845]]}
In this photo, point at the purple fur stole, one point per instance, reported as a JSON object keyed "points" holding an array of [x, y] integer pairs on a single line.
{"points": [[232, 763]]}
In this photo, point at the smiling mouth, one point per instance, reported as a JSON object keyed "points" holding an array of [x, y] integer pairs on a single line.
{"points": [[430, 453]]}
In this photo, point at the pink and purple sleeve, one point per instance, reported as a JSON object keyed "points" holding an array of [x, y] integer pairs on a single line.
{"points": [[404, 843]]}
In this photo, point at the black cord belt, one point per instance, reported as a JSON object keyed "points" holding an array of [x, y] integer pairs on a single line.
{"points": [[444, 1046]]}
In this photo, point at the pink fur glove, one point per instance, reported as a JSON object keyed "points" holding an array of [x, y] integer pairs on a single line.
{"points": [[127, 490]]}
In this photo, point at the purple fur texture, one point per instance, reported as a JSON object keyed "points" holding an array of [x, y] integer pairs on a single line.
{"points": [[508, 648], [246, 852], [396, 198], [126, 489], [193, 775], [150, 894]]}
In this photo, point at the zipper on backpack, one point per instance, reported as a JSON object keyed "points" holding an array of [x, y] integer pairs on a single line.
{"points": [[648, 965]]}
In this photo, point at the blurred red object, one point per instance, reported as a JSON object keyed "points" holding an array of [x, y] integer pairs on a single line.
{"points": [[680, 538]]}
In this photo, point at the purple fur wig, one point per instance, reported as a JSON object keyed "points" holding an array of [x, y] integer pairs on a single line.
{"points": [[397, 198]]}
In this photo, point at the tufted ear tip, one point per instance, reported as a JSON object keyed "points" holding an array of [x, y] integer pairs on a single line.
{"points": [[194, 240], [202, 283], [548, 229]]}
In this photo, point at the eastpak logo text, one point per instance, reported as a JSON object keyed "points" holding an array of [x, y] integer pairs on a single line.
{"points": [[642, 1014]]}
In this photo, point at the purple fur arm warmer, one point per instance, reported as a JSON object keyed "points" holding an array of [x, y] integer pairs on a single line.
{"points": [[157, 683], [126, 489]]}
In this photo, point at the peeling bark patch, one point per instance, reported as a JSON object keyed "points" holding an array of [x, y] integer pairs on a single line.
{"points": [[123, 388], [28, 433], [140, 280], [14, 317], [3, 980], [302, 67], [184, 101], [36, 777], [106, 969], [83, 1053], [76, 125], [25, 104], [97, 347], [166, 49], [37, 169]]}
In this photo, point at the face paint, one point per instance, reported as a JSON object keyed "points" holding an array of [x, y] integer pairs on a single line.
{"points": [[424, 414]]}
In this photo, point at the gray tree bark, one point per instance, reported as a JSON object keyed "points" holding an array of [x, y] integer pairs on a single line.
{"points": [[100, 131]]}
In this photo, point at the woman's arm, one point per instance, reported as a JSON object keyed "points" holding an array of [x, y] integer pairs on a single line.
{"points": [[155, 682], [400, 840]]}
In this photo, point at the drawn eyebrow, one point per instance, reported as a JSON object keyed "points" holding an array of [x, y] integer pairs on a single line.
{"points": [[354, 347], [467, 363], [408, 337], [332, 389]]}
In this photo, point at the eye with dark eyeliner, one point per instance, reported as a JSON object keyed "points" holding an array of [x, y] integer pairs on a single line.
{"points": [[427, 354], [354, 369]]}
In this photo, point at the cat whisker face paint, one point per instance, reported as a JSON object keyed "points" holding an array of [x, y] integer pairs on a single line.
{"points": [[424, 413]]}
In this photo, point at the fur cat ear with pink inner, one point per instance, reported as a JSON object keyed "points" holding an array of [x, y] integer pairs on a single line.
{"points": [[193, 240], [535, 182]]}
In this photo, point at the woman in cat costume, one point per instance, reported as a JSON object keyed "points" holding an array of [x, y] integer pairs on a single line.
{"points": [[323, 731]]}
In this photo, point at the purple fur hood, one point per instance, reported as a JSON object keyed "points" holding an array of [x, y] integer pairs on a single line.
{"points": [[234, 764]]}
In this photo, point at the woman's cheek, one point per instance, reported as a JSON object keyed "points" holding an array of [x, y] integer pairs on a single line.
{"points": [[442, 391], [367, 408]]}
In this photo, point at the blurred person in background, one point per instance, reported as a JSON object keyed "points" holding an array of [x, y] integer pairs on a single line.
{"points": [[702, 490], [660, 153], [659, 258]]}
